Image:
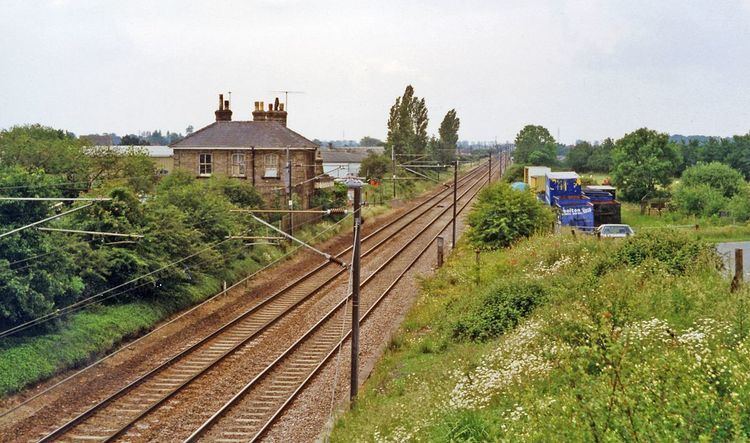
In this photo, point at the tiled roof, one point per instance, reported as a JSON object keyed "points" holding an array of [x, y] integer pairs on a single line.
{"points": [[244, 134]]}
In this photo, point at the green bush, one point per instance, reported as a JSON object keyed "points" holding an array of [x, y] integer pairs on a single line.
{"points": [[676, 250], [499, 309], [739, 205], [719, 176], [514, 173], [502, 216], [700, 200]]}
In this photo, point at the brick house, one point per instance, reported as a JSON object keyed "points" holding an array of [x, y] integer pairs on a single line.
{"points": [[255, 150]]}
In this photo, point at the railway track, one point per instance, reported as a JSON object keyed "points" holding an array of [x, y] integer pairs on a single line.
{"points": [[114, 415], [253, 410]]}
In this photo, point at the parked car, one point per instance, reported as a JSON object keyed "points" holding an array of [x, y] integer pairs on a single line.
{"points": [[614, 231]]}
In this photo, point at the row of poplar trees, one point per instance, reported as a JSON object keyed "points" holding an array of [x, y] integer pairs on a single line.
{"points": [[407, 130]]}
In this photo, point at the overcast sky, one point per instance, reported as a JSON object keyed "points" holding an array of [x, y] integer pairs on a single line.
{"points": [[590, 69]]}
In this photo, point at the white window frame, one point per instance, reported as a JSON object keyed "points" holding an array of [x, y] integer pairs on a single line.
{"points": [[205, 166], [239, 168], [271, 166]]}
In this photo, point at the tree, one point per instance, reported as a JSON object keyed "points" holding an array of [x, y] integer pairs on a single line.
{"points": [[723, 178], [448, 131], [374, 165], [133, 140], [370, 141], [189, 130], [579, 155], [536, 146], [54, 151], [420, 121], [407, 124], [502, 215], [601, 157], [642, 161]]}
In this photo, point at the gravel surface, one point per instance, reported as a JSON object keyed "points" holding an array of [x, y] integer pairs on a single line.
{"points": [[41, 414], [310, 415], [188, 409]]}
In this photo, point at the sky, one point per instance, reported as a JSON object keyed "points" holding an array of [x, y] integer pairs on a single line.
{"points": [[584, 69]]}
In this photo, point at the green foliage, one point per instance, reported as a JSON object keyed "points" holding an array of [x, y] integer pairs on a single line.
{"points": [[535, 146], [642, 161], [239, 192], [375, 166], [335, 197], [444, 149], [54, 151], [653, 349], [724, 178], [707, 188], [407, 124], [700, 200], [514, 173], [677, 251], [502, 216], [371, 141], [579, 155], [498, 309], [601, 157]]}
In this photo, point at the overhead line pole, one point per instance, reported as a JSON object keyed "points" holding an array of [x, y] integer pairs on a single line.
{"points": [[489, 176], [455, 193], [356, 186], [393, 162], [289, 193]]}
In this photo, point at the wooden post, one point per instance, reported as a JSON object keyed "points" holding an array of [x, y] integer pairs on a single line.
{"points": [[478, 265], [697, 227], [573, 231], [739, 269], [440, 244]]}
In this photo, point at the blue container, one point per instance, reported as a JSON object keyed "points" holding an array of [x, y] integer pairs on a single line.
{"points": [[575, 211], [561, 184]]}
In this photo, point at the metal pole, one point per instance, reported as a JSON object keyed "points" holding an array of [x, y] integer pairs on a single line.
{"points": [[289, 192], [355, 293], [489, 164], [393, 167], [455, 193]]}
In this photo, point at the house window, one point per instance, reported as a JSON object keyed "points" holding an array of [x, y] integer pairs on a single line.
{"points": [[271, 166], [205, 164], [238, 165]]}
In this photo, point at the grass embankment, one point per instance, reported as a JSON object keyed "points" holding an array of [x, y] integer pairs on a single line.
{"points": [[567, 339], [95, 331], [713, 229]]}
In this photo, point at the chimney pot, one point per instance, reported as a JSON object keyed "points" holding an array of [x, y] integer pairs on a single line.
{"points": [[270, 107], [223, 114], [281, 107], [276, 104]]}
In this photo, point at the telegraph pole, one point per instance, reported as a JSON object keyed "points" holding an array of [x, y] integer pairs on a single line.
{"points": [[356, 186], [289, 191], [455, 193]]}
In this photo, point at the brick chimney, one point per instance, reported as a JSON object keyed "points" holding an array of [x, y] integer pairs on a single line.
{"points": [[259, 115], [275, 113], [223, 114]]}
